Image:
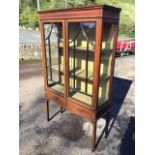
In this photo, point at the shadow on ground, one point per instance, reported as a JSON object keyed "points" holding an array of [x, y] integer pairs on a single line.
{"points": [[120, 89], [128, 142]]}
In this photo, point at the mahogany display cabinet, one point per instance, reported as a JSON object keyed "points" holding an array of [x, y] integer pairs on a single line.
{"points": [[78, 56]]}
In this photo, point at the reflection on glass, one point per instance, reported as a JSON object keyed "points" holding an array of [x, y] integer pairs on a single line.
{"points": [[81, 60], [54, 56], [106, 60]]}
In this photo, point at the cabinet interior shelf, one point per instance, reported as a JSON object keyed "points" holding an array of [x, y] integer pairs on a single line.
{"points": [[80, 96], [79, 73], [83, 49]]}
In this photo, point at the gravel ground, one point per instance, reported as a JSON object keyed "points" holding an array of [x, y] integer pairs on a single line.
{"points": [[68, 134]]}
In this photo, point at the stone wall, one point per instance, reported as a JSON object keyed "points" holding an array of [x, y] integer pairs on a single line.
{"points": [[29, 51]]}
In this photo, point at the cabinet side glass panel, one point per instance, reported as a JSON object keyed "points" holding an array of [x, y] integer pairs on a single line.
{"points": [[54, 56], [81, 47], [105, 62]]}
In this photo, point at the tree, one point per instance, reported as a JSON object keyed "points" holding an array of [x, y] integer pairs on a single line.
{"points": [[28, 10]]}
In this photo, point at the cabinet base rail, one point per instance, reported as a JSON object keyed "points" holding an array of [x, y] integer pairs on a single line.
{"points": [[94, 123]]}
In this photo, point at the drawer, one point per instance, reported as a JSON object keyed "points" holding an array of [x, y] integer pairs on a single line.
{"points": [[81, 111], [56, 98]]}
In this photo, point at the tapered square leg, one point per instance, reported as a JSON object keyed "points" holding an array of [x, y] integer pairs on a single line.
{"points": [[107, 125], [62, 110], [94, 136], [47, 108]]}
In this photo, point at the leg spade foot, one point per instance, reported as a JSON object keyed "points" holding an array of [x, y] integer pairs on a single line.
{"points": [[94, 136], [47, 108], [107, 125]]}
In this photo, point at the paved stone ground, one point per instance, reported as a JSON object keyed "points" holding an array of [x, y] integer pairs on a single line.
{"points": [[68, 134]]}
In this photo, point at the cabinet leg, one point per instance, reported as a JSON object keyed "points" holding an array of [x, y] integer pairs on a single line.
{"points": [[62, 110], [47, 108], [94, 136], [107, 125]]}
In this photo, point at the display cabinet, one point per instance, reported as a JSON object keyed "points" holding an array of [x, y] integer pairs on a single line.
{"points": [[78, 55]]}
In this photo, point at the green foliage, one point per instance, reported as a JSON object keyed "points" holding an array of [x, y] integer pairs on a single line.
{"points": [[28, 13], [127, 17], [53, 4], [29, 17], [76, 3]]}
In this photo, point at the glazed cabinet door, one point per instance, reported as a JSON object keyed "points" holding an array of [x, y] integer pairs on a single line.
{"points": [[54, 56], [81, 40], [109, 37]]}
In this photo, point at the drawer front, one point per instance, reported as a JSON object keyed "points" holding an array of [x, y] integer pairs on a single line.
{"points": [[81, 111], [56, 98]]}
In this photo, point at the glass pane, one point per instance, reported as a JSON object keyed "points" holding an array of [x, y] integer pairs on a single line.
{"points": [[81, 60], [106, 60], [54, 56]]}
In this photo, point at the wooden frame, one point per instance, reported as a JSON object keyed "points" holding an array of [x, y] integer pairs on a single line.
{"points": [[80, 20], [100, 14]]}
